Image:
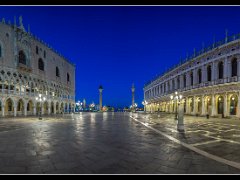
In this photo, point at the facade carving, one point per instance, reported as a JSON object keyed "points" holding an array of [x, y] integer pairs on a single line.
{"points": [[209, 82], [29, 67]]}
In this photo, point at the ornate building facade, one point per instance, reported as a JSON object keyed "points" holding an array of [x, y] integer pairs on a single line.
{"points": [[209, 82], [29, 67]]}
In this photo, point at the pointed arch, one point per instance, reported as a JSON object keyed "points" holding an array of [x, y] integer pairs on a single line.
{"points": [[40, 64], [22, 57], [20, 107]]}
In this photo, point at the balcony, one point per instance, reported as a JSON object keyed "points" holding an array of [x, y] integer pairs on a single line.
{"points": [[219, 81], [233, 79]]}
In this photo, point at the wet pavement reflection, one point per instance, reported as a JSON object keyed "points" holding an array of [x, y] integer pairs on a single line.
{"points": [[95, 143]]}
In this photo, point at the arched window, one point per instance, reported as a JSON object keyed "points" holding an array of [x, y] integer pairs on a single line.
{"points": [[184, 81], [220, 70], [233, 105], [57, 72], [36, 49], [199, 76], [41, 64], [234, 67], [68, 77], [191, 78], [209, 73], [220, 105], [22, 58], [0, 51]]}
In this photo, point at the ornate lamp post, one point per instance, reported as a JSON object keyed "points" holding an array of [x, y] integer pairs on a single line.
{"points": [[144, 103], [177, 98], [40, 99], [179, 111]]}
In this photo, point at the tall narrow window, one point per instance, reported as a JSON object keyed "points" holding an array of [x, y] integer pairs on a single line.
{"points": [[209, 73], [22, 58], [199, 76], [44, 54], [36, 49], [57, 72], [41, 64], [220, 70], [68, 77], [234, 67]]}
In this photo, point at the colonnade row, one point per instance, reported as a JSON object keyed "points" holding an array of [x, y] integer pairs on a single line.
{"points": [[25, 107], [224, 104]]}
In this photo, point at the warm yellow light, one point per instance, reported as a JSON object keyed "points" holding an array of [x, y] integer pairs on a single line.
{"points": [[219, 99], [208, 99], [233, 98]]}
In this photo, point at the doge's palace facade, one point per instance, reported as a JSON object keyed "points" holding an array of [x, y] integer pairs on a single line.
{"points": [[209, 82], [29, 67]]}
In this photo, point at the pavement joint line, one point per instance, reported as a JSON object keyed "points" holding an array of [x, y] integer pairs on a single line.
{"points": [[203, 143], [188, 146], [226, 140]]}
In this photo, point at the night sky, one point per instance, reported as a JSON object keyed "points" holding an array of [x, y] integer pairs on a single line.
{"points": [[118, 45]]}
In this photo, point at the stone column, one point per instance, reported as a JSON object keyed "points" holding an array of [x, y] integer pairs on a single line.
{"points": [[214, 71], [195, 77], [225, 69], [171, 85], [15, 110], [3, 87], [238, 105], [34, 110], [9, 87], [25, 109], [203, 106], [225, 105], [204, 73], [15, 88], [194, 105], [67, 108], [42, 108], [188, 79], [49, 108], [238, 68], [3, 110], [100, 96], [187, 106], [181, 81], [213, 105], [54, 109]]}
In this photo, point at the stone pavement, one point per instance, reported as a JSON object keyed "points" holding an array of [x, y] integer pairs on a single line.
{"points": [[102, 143]]}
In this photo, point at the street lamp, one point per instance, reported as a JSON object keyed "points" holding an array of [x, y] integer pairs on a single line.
{"points": [[177, 98], [40, 99], [179, 111], [92, 106], [144, 103]]}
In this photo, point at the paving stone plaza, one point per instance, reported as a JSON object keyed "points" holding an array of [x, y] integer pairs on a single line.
{"points": [[118, 143]]}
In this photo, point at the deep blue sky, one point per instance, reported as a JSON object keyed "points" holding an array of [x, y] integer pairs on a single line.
{"points": [[118, 45]]}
